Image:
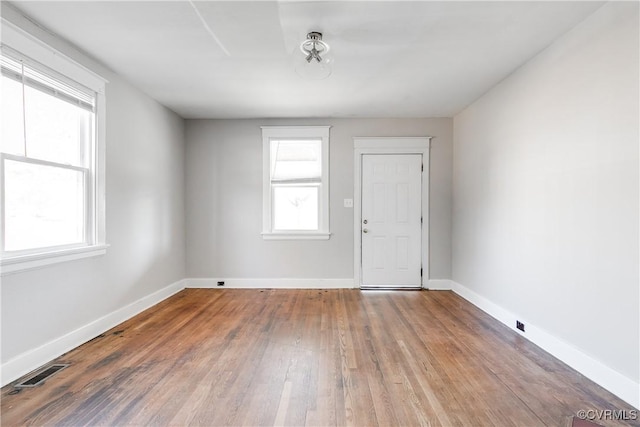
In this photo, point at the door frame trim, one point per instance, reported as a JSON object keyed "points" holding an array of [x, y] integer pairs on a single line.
{"points": [[389, 145]]}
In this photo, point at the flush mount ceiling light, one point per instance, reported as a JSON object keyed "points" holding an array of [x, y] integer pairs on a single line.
{"points": [[314, 63], [313, 46]]}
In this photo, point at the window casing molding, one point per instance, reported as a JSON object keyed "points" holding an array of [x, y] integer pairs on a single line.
{"points": [[270, 133], [17, 43]]}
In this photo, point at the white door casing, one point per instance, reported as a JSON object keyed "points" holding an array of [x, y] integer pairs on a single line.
{"points": [[391, 220], [390, 145]]}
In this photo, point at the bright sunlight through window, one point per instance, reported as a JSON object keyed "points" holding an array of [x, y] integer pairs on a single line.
{"points": [[296, 182], [48, 159]]}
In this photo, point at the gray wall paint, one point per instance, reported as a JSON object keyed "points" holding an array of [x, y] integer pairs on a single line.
{"points": [[224, 199], [545, 210], [545, 217], [145, 225]]}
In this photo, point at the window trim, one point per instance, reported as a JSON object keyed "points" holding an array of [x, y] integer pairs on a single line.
{"points": [[31, 262], [293, 132], [35, 51]]}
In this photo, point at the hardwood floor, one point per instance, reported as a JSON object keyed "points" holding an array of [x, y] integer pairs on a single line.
{"points": [[310, 357]]}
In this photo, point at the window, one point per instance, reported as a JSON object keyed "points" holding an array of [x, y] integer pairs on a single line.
{"points": [[51, 173], [296, 182]]}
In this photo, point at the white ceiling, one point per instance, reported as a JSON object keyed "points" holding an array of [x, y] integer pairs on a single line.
{"points": [[391, 58]]}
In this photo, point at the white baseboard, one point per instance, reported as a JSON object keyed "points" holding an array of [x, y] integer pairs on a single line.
{"points": [[439, 285], [618, 384], [33, 359], [271, 283]]}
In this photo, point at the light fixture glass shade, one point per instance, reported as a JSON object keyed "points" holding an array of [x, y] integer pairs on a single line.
{"points": [[313, 71], [312, 59]]}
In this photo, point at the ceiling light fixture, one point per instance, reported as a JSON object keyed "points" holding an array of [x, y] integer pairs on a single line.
{"points": [[315, 63]]}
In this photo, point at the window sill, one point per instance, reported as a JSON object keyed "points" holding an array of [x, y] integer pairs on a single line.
{"points": [[30, 262], [296, 236]]}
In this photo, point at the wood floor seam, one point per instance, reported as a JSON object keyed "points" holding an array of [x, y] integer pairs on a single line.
{"points": [[239, 357]]}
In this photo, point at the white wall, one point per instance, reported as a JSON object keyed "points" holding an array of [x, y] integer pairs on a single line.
{"points": [[224, 200], [145, 225], [545, 193]]}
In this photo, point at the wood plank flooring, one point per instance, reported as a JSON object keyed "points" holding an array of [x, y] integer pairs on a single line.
{"points": [[218, 357]]}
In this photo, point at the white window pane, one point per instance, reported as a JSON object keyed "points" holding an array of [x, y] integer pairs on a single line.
{"points": [[56, 129], [295, 208], [12, 125], [296, 159], [44, 206]]}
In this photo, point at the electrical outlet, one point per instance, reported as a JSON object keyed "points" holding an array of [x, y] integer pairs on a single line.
{"points": [[220, 283], [348, 203], [520, 325]]}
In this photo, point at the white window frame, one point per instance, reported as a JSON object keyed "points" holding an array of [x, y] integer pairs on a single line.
{"points": [[295, 132], [31, 49]]}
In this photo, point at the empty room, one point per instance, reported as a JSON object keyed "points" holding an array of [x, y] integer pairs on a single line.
{"points": [[320, 213]]}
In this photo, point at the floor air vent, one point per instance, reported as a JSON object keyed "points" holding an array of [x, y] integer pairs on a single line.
{"points": [[41, 376]]}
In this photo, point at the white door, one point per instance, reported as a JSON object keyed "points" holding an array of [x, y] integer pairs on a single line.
{"points": [[391, 222]]}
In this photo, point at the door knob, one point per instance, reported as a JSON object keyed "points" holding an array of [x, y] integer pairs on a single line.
{"points": [[364, 230]]}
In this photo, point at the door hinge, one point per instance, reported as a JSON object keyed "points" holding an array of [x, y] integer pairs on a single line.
{"points": [[420, 272], [421, 220], [422, 167]]}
